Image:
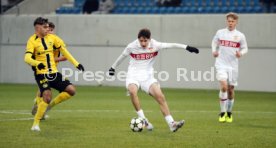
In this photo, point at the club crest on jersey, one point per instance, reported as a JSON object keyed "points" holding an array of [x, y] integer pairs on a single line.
{"points": [[45, 85], [236, 38]]}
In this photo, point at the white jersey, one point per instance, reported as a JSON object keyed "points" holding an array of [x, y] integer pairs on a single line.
{"points": [[142, 59], [228, 42]]}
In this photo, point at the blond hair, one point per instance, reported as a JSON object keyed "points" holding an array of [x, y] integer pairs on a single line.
{"points": [[232, 15]]}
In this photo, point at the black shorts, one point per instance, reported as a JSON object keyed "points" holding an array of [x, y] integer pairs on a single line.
{"points": [[48, 81]]}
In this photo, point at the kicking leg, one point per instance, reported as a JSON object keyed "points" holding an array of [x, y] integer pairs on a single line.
{"points": [[69, 91], [158, 95]]}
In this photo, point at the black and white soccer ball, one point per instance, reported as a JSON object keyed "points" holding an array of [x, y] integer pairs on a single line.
{"points": [[137, 124]]}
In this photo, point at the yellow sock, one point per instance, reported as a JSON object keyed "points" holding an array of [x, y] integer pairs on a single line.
{"points": [[60, 98], [38, 99], [42, 106]]}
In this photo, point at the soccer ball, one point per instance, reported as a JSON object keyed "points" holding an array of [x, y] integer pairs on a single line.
{"points": [[136, 124]]}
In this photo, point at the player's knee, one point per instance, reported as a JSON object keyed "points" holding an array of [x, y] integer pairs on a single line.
{"points": [[47, 96], [71, 90], [230, 93], [132, 92], [224, 88]]}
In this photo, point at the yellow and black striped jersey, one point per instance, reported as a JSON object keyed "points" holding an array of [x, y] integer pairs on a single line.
{"points": [[43, 50]]}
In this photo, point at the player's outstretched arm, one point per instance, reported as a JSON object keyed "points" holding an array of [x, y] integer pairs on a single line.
{"points": [[176, 45], [58, 42], [118, 61], [70, 58]]}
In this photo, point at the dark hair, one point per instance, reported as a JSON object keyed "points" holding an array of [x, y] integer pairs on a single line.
{"points": [[40, 21], [51, 25], [144, 33]]}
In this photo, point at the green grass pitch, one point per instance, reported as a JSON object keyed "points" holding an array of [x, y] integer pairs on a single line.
{"points": [[99, 117]]}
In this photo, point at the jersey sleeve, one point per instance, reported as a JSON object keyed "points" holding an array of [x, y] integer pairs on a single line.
{"points": [[243, 47], [161, 45], [68, 56], [29, 53], [59, 44], [215, 42], [120, 59]]}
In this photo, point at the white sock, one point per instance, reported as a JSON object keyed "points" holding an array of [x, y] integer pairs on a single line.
{"points": [[230, 104], [169, 119], [140, 114], [223, 101], [223, 95]]}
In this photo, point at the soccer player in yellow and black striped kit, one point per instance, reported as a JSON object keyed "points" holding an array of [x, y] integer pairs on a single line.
{"points": [[40, 55], [58, 58]]}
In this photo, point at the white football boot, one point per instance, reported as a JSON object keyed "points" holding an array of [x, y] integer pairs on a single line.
{"points": [[35, 128], [175, 125], [148, 125]]}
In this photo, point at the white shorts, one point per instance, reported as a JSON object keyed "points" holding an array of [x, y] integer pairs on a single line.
{"points": [[145, 85], [229, 75]]}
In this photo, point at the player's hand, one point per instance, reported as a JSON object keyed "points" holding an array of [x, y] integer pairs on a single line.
{"points": [[80, 67], [41, 66], [111, 71], [192, 49], [215, 54], [238, 54]]}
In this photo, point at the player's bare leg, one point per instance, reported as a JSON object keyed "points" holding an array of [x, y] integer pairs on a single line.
{"points": [[158, 95], [230, 103], [223, 96], [133, 90], [37, 100]]}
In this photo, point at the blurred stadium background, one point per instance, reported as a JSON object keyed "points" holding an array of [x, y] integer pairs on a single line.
{"points": [[97, 40]]}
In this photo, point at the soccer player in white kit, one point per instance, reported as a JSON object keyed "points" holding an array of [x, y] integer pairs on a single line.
{"points": [[143, 52], [228, 46]]}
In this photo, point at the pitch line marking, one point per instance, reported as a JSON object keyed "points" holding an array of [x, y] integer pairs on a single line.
{"points": [[16, 119], [28, 112]]}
